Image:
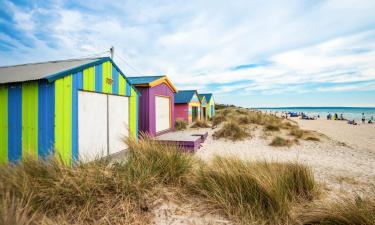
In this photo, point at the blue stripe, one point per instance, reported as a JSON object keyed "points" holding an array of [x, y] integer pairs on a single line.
{"points": [[128, 93], [98, 78], [115, 80], [77, 81], [46, 118], [15, 122]]}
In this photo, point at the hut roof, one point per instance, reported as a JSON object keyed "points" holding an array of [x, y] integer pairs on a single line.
{"points": [[151, 81], [184, 96], [208, 96]]}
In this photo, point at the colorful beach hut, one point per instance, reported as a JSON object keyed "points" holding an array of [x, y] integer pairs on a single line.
{"points": [[79, 109], [203, 101], [156, 103], [210, 106], [187, 105]]}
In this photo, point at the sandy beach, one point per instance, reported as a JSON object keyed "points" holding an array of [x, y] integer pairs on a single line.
{"points": [[343, 161]]}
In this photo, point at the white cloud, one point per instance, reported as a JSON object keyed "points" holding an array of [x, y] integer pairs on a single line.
{"points": [[196, 43]]}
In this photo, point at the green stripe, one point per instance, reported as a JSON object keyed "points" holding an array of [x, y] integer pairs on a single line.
{"points": [[107, 77], [3, 124], [63, 119], [30, 119], [121, 85], [133, 112], [89, 79]]}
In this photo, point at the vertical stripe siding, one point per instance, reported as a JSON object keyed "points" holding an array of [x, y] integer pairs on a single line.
{"points": [[76, 81], [133, 114], [121, 85], [14, 122], [98, 78], [46, 117], [115, 79], [127, 89], [89, 79], [30, 119], [137, 117], [3, 124], [107, 77], [63, 118]]}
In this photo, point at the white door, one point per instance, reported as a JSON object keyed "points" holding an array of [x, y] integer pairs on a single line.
{"points": [[118, 122], [162, 113], [92, 125]]}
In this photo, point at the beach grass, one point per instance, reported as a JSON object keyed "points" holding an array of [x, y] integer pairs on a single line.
{"points": [[180, 124], [281, 142], [200, 124], [254, 192], [347, 211], [232, 131]]}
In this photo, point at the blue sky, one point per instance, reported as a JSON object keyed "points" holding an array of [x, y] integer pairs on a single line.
{"points": [[249, 53]]}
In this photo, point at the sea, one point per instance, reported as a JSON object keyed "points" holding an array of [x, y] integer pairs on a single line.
{"points": [[348, 112]]}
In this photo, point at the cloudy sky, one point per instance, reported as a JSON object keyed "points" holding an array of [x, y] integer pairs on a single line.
{"points": [[249, 53]]}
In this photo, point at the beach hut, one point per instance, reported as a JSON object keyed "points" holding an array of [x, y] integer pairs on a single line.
{"points": [[203, 101], [187, 105], [78, 109], [156, 103], [210, 104]]}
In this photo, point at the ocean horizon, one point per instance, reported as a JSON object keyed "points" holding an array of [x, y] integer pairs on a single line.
{"points": [[348, 112]]}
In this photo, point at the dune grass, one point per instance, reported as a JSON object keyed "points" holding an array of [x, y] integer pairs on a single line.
{"points": [[281, 142], [180, 124], [346, 211], [232, 131], [254, 192], [200, 124]]}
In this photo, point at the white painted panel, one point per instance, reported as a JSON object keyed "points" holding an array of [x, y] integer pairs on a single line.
{"points": [[92, 125], [162, 113], [118, 122]]}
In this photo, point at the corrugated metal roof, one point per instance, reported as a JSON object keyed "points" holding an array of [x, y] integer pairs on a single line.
{"points": [[184, 96], [143, 80], [207, 96], [36, 71]]}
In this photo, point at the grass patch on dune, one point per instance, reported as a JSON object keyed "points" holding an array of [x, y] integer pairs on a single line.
{"points": [[232, 131], [200, 124], [257, 191], [281, 142], [344, 212], [180, 124]]}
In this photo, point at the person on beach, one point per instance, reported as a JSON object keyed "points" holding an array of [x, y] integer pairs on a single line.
{"points": [[341, 117], [363, 118]]}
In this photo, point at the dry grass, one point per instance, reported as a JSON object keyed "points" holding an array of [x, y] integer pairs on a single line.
{"points": [[232, 131], [281, 142], [180, 124], [100, 192], [200, 124], [254, 192], [347, 211]]}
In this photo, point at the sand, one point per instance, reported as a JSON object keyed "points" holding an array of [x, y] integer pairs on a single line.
{"points": [[343, 162]]}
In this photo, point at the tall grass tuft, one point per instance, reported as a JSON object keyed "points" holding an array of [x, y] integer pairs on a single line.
{"points": [[218, 119], [232, 131], [200, 124], [344, 212], [180, 124], [167, 164], [254, 191]]}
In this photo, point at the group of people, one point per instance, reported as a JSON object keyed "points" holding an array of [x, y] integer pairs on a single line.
{"points": [[352, 122]]}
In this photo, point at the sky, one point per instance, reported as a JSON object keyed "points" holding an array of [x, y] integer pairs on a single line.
{"points": [[246, 52]]}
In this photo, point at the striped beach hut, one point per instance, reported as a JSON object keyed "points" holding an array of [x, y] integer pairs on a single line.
{"points": [[79, 109], [156, 103], [202, 98], [210, 104], [187, 105]]}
